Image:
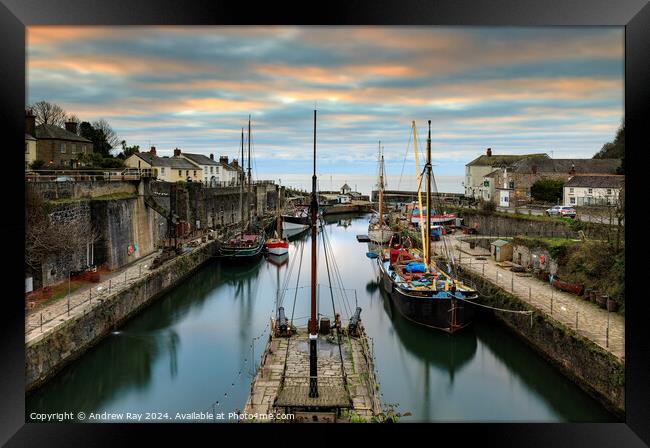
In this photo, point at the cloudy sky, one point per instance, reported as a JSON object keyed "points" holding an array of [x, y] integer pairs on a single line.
{"points": [[516, 90]]}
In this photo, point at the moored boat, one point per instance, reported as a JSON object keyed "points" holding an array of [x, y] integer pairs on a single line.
{"points": [[249, 242], [422, 291]]}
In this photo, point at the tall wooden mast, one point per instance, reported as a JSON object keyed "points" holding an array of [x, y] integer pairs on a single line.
{"points": [[381, 185], [249, 171], [241, 182], [313, 325], [427, 232]]}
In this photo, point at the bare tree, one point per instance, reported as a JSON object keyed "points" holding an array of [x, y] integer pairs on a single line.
{"points": [[48, 113], [111, 137], [45, 235]]}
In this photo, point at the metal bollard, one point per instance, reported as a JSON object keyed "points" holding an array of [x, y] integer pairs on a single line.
{"points": [[484, 269], [41, 322], [576, 321], [90, 295], [512, 283], [109, 286], [68, 306]]}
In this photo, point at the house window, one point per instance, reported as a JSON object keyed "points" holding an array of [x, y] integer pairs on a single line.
{"points": [[162, 170], [572, 200], [590, 191], [512, 184], [609, 191], [74, 148], [62, 148], [180, 173], [187, 172], [211, 170], [216, 170], [84, 149], [571, 190], [194, 173]]}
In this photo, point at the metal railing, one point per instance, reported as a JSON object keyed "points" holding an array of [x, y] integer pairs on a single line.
{"points": [[584, 317], [87, 175]]}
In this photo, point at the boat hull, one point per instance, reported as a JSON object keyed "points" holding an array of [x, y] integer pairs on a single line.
{"points": [[445, 314], [277, 247]]}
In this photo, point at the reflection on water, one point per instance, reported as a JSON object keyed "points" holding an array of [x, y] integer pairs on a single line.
{"points": [[201, 342]]}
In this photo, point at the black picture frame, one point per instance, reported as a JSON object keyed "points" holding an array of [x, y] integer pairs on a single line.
{"points": [[633, 14]]}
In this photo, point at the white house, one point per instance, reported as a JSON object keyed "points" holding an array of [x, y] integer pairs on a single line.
{"points": [[593, 189], [210, 167]]}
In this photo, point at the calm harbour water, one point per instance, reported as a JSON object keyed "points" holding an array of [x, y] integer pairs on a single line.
{"points": [[195, 346]]}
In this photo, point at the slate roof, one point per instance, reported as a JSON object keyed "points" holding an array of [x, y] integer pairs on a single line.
{"points": [[51, 132], [346, 187], [503, 159], [582, 166], [200, 159], [602, 181], [171, 162]]}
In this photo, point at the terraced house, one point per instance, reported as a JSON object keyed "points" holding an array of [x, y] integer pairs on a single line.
{"points": [[168, 169]]}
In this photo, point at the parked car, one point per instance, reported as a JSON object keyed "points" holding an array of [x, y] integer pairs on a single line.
{"points": [[563, 211], [64, 179]]}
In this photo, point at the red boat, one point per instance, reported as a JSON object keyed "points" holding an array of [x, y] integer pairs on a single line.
{"points": [[574, 288], [277, 246]]}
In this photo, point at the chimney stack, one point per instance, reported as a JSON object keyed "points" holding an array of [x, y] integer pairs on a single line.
{"points": [[71, 126], [30, 122], [211, 156], [224, 159], [489, 152], [152, 151], [177, 152], [235, 164], [572, 171]]}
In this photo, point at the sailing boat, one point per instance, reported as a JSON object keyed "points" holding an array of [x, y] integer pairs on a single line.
{"points": [[422, 291], [313, 384], [380, 232], [249, 242], [277, 245]]}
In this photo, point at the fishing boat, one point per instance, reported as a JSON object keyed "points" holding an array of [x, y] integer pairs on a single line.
{"points": [[378, 230], [278, 245], [322, 372], [295, 222], [421, 290], [248, 242]]}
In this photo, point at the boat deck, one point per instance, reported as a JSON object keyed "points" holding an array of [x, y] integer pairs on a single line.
{"points": [[282, 381]]}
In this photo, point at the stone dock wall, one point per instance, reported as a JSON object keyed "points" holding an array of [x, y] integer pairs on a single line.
{"points": [[595, 370], [47, 355]]}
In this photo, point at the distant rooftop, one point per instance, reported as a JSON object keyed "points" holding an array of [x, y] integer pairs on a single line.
{"points": [[51, 132], [581, 166], [503, 159], [596, 181], [200, 159]]}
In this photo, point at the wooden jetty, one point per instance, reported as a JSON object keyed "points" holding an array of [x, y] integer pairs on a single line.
{"points": [[345, 392]]}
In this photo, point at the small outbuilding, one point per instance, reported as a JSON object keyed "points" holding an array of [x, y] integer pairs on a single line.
{"points": [[501, 250]]}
